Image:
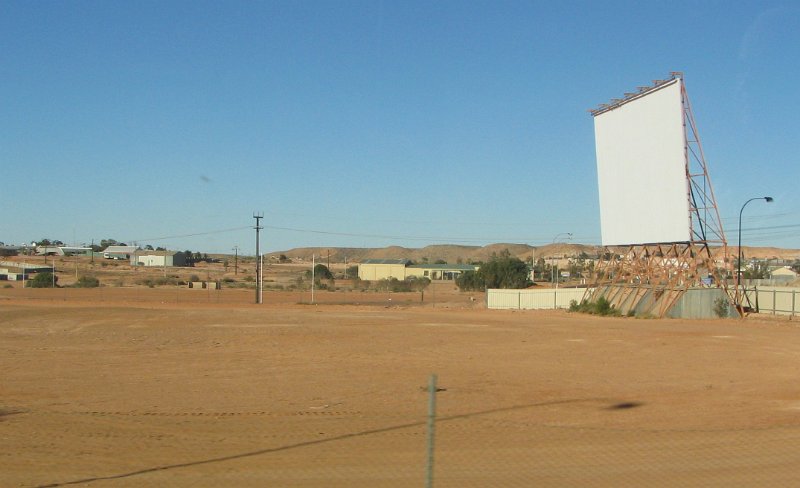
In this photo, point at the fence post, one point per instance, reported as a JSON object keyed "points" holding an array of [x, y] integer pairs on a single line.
{"points": [[431, 426], [555, 298], [519, 300], [794, 294], [774, 302]]}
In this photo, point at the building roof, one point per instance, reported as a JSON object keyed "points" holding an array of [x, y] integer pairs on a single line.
{"points": [[404, 262], [26, 266], [120, 249], [148, 252]]}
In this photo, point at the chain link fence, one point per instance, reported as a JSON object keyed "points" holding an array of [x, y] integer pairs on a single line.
{"points": [[514, 446]]}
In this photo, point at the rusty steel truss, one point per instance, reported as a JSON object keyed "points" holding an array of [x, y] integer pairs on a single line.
{"points": [[649, 279]]}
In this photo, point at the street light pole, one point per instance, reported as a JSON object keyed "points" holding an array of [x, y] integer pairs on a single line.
{"points": [[236, 260], [259, 271], [555, 265], [739, 246]]}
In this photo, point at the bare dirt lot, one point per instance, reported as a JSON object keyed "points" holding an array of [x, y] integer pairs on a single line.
{"points": [[177, 387]]}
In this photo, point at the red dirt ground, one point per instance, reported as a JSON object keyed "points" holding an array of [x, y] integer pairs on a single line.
{"points": [[177, 387]]}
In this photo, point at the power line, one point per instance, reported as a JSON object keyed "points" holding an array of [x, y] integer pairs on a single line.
{"points": [[410, 238], [221, 231]]}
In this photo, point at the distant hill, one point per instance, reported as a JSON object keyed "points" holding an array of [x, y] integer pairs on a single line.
{"points": [[445, 252], [454, 253]]}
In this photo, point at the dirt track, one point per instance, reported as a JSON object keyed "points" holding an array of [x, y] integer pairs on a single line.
{"points": [[166, 389]]}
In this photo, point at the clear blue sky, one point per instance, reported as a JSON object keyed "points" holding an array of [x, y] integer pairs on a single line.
{"points": [[372, 123]]}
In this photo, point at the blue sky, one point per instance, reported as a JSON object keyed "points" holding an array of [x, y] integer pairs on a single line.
{"points": [[368, 124]]}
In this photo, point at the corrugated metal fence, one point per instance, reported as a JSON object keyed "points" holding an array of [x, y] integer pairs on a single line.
{"points": [[772, 299], [533, 299]]}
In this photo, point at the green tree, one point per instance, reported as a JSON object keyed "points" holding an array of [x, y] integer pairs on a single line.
{"points": [[470, 281], [321, 272], [104, 243], [42, 280], [502, 271]]}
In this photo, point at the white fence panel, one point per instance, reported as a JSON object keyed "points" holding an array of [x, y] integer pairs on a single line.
{"points": [[503, 299], [533, 299], [778, 300]]}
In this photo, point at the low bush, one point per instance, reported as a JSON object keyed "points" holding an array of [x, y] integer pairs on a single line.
{"points": [[721, 307], [87, 282], [601, 307]]}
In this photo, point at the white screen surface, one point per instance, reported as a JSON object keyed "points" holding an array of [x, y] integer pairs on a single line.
{"points": [[641, 170]]}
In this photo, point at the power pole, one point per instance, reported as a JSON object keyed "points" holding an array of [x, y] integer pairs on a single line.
{"points": [[313, 265], [258, 217], [236, 260]]}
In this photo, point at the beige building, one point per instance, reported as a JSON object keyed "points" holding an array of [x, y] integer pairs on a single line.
{"points": [[383, 269], [400, 269], [785, 273]]}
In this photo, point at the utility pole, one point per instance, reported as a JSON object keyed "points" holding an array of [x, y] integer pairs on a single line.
{"points": [[258, 217], [313, 265], [236, 260]]}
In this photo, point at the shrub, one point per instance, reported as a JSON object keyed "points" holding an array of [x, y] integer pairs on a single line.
{"points": [[42, 280], [412, 283], [87, 282], [721, 307], [601, 307]]}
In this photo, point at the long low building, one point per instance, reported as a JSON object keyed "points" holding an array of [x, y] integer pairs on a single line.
{"points": [[16, 271], [62, 251], [159, 258], [401, 269]]}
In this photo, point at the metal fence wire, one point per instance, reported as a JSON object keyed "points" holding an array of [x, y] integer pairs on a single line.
{"points": [[537, 444]]}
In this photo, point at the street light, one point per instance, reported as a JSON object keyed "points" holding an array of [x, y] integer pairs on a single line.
{"points": [[739, 247], [555, 264]]}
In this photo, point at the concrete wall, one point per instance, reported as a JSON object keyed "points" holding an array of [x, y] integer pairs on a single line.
{"points": [[696, 303], [533, 299]]}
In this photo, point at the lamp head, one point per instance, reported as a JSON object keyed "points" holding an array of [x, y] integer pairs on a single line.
{"points": [[768, 199]]}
